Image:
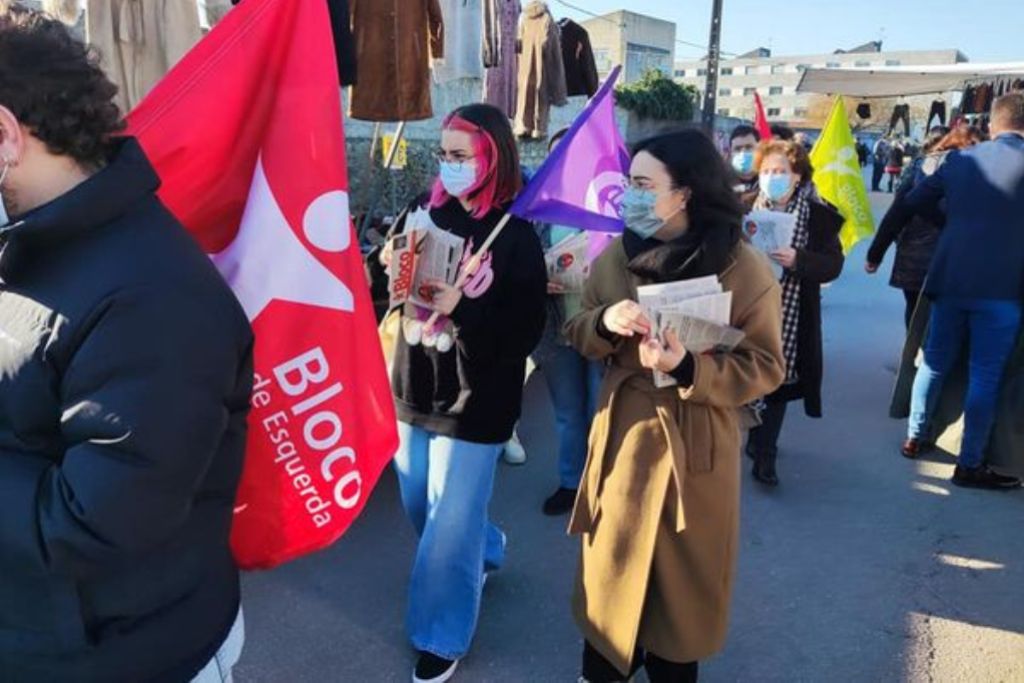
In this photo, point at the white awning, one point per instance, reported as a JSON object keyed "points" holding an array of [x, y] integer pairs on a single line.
{"points": [[896, 81]]}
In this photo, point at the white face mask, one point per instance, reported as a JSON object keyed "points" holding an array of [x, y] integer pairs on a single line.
{"points": [[458, 178], [4, 218]]}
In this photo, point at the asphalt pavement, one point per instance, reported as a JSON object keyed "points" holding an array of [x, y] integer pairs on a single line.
{"points": [[861, 566]]}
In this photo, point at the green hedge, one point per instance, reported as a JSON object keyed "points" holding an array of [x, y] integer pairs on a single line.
{"points": [[656, 96]]}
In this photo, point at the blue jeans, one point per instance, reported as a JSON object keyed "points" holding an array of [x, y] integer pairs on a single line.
{"points": [[989, 327], [575, 385], [446, 489]]}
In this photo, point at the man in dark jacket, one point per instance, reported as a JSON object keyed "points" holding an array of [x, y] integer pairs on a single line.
{"points": [[976, 282], [125, 375]]}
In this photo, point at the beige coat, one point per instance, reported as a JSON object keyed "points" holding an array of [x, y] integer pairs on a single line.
{"points": [[541, 71], [140, 40], [658, 507]]}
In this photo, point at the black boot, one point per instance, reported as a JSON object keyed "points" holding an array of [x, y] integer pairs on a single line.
{"points": [[764, 469]]}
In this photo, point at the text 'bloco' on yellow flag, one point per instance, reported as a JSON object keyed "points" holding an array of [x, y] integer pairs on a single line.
{"points": [[839, 179]]}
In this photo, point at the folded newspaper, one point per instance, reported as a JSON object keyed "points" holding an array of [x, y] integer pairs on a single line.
{"points": [[698, 310], [420, 254], [568, 263], [770, 231]]}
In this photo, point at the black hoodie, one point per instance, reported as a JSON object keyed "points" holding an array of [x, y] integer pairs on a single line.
{"points": [[474, 391]]}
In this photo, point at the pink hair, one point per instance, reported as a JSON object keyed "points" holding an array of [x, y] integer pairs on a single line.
{"points": [[483, 196]]}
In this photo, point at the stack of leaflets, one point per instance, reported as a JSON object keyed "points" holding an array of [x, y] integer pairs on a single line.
{"points": [[769, 231], [422, 253], [698, 310], [568, 262]]}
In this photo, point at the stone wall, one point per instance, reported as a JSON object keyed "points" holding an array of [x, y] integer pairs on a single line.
{"points": [[385, 193]]}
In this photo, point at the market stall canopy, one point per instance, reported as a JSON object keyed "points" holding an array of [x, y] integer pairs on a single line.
{"points": [[896, 81]]}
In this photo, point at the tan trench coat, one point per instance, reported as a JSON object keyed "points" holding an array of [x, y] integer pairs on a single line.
{"points": [[658, 507], [541, 71], [395, 41], [140, 40]]}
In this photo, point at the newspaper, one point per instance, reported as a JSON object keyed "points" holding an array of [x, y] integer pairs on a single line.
{"points": [[698, 309], [770, 231], [421, 255], [697, 336], [567, 262], [654, 297]]}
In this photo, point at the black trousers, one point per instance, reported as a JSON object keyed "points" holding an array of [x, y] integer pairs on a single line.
{"points": [[938, 109], [912, 296], [900, 112], [877, 171], [597, 669], [764, 440]]}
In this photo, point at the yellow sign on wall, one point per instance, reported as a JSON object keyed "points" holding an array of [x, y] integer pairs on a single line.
{"points": [[401, 156]]}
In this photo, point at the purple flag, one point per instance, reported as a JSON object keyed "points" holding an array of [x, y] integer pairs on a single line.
{"points": [[580, 185]]}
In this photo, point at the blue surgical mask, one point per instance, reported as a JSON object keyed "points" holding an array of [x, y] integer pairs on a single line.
{"points": [[638, 212], [776, 186], [458, 178], [743, 162]]}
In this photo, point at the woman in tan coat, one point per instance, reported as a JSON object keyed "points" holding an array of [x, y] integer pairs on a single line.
{"points": [[658, 507]]}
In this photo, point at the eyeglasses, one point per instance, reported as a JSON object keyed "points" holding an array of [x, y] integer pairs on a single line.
{"points": [[452, 158]]}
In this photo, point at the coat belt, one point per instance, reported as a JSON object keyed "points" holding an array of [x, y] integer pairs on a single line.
{"points": [[668, 411]]}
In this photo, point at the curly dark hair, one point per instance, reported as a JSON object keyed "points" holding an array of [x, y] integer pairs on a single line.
{"points": [[55, 86]]}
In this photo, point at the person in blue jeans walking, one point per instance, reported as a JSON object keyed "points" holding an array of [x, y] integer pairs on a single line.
{"points": [[458, 383], [976, 283], [574, 383]]}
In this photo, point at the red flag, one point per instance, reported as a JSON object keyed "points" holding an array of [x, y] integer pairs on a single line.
{"points": [[760, 120], [246, 134]]}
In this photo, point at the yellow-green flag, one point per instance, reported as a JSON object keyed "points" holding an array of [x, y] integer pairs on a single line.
{"points": [[839, 179]]}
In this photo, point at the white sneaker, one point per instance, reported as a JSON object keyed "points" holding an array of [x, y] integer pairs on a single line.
{"points": [[515, 454], [433, 669]]}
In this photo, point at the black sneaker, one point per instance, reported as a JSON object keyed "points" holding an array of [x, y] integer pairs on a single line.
{"points": [[983, 478], [433, 669], [560, 502]]}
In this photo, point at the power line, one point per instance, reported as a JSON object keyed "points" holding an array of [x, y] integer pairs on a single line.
{"points": [[623, 26]]}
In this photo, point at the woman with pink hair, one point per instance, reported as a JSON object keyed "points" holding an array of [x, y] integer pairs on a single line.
{"points": [[458, 381]]}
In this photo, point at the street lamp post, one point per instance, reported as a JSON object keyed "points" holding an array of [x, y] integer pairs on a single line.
{"points": [[714, 56]]}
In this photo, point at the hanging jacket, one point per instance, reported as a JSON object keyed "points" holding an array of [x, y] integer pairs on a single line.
{"points": [[541, 71], [500, 54], [140, 40], [395, 41], [578, 57], [463, 36]]}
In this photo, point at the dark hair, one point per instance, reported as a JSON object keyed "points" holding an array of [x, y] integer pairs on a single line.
{"points": [[743, 131], [1008, 111], [55, 87], [556, 137], [783, 132], [792, 150], [716, 215], [501, 178]]}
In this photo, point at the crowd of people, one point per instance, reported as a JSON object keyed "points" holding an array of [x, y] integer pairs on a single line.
{"points": [[126, 372]]}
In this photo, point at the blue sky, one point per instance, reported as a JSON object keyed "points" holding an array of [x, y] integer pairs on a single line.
{"points": [[820, 26]]}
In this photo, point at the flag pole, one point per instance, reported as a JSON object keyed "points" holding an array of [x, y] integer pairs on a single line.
{"points": [[473, 264]]}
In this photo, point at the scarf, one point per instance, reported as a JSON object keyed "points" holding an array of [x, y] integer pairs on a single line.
{"points": [[697, 253], [800, 204]]}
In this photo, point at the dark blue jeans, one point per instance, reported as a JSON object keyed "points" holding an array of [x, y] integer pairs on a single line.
{"points": [[989, 328]]}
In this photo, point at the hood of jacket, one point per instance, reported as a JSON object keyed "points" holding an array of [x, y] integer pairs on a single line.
{"points": [[536, 9]]}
